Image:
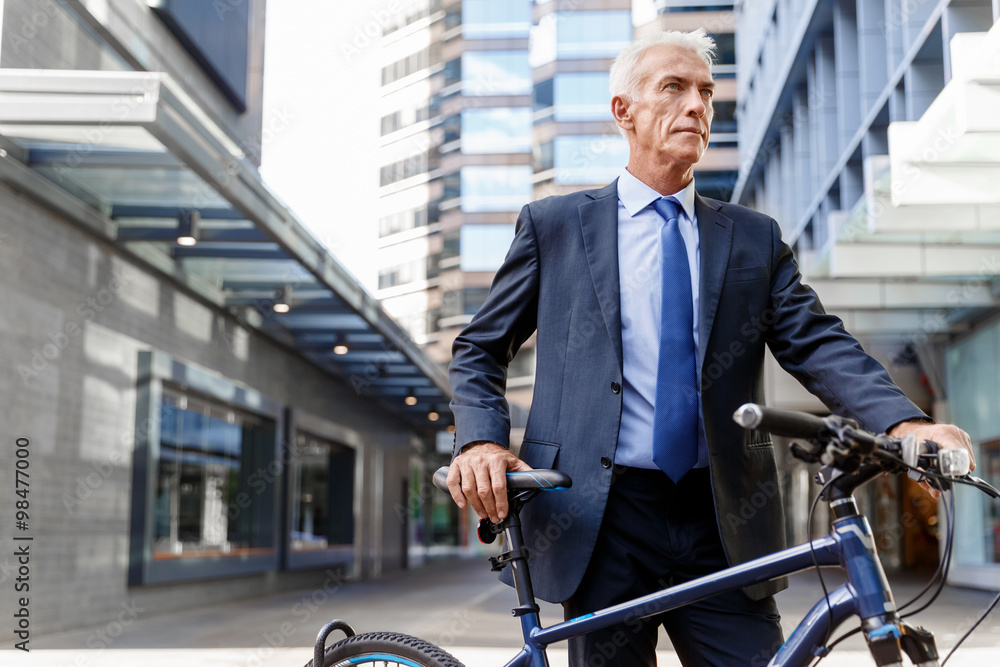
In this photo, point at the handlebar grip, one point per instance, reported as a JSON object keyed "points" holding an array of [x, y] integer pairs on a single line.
{"points": [[441, 479], [788, 423]]}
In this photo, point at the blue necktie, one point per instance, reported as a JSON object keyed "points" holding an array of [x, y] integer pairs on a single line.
{"points": [[675, 414]]}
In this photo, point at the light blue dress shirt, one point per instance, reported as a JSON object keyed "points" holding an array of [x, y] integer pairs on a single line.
{"points": [[639, 259]]}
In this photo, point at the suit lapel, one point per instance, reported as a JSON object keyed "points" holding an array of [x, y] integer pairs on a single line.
{"points": [[715, 232], [599, 222]]}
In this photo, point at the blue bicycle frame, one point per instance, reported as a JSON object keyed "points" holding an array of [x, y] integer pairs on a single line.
{"points": [[850, 545]]}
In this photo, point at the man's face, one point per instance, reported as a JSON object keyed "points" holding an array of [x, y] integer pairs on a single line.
{"points": [[673, 112]]}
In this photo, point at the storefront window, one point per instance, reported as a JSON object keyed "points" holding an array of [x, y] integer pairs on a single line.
{"points": [[988, 467], [209, 455], [322, 494], [499, 130], [973, 396]]}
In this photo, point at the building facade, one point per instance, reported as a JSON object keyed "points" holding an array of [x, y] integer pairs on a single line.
{"points": [[490, 105], [200, 403], [868, 132]]}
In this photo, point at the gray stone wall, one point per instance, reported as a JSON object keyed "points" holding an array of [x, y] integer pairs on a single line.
{"points": [[74, 315]]}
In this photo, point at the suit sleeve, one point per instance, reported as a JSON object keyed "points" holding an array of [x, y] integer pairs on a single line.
{"points": [[814, 347], [481, 353]]}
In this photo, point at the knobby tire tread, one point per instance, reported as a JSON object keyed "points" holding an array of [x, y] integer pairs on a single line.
{"points": [[411, 648]]}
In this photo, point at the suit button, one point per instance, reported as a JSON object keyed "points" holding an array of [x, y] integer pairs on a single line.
{"points": [[615, 387], [606, 462]]}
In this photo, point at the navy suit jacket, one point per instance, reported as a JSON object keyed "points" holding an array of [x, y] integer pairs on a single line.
{"points": [[560, 278]]}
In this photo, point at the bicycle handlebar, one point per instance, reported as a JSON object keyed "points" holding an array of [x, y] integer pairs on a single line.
{"points": [[788, 423], [840, 443]]}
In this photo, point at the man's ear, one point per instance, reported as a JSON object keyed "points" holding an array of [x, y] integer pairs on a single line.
{"points": [[621, 110]]}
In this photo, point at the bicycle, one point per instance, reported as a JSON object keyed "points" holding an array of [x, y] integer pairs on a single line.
{"points": [[850, 458]]}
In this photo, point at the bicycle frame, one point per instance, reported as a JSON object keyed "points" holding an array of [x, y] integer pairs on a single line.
{"points": [[849, 545]]}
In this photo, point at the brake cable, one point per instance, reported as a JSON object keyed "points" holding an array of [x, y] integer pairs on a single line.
{"points": [[819, 570]]}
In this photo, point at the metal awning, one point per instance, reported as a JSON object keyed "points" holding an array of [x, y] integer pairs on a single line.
{"points": [[132, 158], [923, 245]]}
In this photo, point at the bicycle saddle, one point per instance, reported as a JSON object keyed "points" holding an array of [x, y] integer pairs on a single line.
{"points": [[541, 479]]}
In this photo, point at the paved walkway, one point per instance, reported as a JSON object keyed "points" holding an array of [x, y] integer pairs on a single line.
{"points": [[457, 604]]}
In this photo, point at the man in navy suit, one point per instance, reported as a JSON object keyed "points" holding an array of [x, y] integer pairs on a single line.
{"points": [[652, 307]]}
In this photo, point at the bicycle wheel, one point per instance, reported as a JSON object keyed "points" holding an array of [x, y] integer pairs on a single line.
{"points": [[386, 648]]}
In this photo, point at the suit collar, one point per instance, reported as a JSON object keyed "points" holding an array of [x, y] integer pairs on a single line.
{"points": [[611, 189], [599, 224]]}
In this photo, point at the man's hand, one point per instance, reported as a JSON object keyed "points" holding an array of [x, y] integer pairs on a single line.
{"points": [[478, 476], [948, 436]]}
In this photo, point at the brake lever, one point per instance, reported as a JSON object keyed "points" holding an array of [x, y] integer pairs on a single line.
{"points": [[982, 485]]}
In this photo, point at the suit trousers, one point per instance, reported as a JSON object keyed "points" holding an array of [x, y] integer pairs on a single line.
{"points": [[656, 534]]}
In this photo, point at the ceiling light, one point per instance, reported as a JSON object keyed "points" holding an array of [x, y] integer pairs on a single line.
{"points": [[340, 349], [410, 400], [188, 227], [283, 299], [433, 416]]}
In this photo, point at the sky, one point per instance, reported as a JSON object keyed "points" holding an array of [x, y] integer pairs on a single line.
{"points": [[321, 87]]}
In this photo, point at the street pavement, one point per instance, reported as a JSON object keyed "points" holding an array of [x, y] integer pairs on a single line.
{"points": [[457, 604]]}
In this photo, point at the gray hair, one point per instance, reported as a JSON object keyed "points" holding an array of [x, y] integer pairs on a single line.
{"points": [[625, 74]]}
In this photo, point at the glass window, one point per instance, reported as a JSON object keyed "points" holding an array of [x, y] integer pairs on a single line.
{"points": [[495, 188], [485, 246], [489, 18], [451, 245], [465, 301], [541, 96], [496, 73], [725, 117], [589, 158], [542, 156], [402, 221], [452, 128], [601, 34], [582, 96], [452, 72], [726, 45], [322, 494], [206, 500], [499, 130]]}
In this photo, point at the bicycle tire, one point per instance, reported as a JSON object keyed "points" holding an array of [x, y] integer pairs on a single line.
{"points": [[386, 648]]}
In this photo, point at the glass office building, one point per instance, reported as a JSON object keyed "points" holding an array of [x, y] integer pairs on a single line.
{"points": [[510, 104], [868, 130]]}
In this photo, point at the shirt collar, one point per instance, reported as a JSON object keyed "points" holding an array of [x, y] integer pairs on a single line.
{"points": [[636, 195]]}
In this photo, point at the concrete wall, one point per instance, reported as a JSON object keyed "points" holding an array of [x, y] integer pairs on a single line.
{"points": [[75, 315]]}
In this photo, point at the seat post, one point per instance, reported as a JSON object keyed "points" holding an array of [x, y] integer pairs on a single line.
{"points": [[519, 564]]}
